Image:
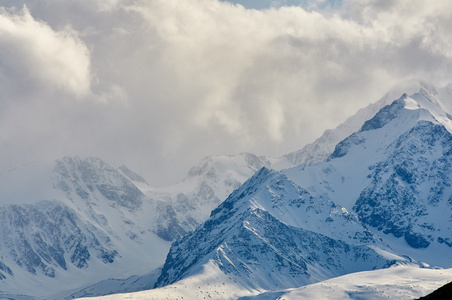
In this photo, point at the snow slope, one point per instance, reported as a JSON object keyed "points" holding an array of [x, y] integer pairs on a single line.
{"points": [[393, 283], [209, 283]]}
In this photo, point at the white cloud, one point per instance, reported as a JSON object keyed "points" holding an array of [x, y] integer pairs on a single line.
{"points": [[290, 53], [182, 79], [34, 57]]}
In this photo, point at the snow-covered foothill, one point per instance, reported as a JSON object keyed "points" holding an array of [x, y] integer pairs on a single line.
{"points": [[393, 283]]}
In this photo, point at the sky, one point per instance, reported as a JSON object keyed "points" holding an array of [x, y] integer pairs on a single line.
{"points": [[159, 84]]}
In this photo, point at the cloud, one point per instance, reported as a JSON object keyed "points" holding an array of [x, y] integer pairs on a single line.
{"points": [[285, 55], [306, 4], [166, 82], [35, 57]]}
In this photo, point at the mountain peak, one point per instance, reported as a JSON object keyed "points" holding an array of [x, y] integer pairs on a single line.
{"points": [[385, 115], [271, 219], [85, 177]]}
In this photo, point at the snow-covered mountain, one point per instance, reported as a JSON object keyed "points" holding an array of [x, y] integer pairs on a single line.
{"points": [[360, 197], [394, 174], [290, 228], [76, 221], [73, 222], [270, 234], [189, 202], [322, 147]]}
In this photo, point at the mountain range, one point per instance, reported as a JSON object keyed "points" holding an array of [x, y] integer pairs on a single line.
{"points": [[373, 193], [386, 181]]}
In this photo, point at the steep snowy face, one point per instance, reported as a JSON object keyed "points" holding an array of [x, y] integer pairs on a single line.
{"points": [[85, 221], [393, 172], [346, 173], [96, 188], [436, 100], [47, 236], [90, 177], [270, 219], [409, 189], [322, 147], [396, 118], [410, 194]]}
